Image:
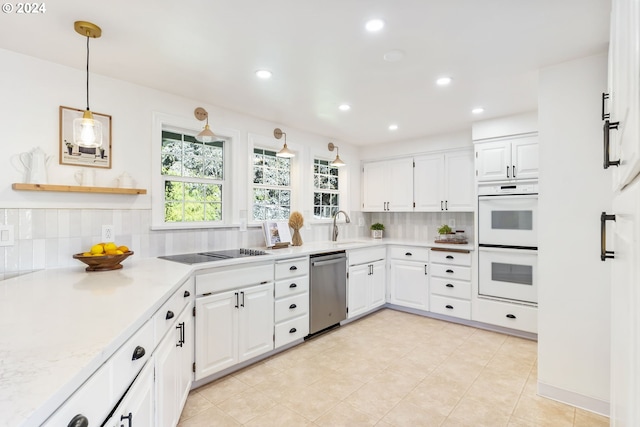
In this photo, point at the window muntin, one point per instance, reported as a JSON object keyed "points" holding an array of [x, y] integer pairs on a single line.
{"points": [[326, 195], [271, 185], [193, 175]]}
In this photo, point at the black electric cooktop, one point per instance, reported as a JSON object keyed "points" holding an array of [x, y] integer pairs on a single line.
{"points": [[199, 257]]}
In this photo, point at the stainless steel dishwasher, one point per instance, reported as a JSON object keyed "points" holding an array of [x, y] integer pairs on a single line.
{"points": [[328, 290]]}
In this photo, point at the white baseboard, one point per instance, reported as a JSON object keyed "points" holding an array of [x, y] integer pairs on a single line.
{"points": [[587, 403]]}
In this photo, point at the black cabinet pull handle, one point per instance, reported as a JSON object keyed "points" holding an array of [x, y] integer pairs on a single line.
{"points": [[449, 256], [181, 338], [605, 116], [511, 316], [293, 285], [441, 205], [128, 417], [449, 271], [78, 421], [425, 269], [169, 315], [293, 268], [237, 300], [513, 170], [293, 330], [408, 254], [606, 128], [507, 171], [138, 353], [292, 306], [449, 285], [450, 307], [446, 205], [187, 294], [242, 303], [604, 253]]}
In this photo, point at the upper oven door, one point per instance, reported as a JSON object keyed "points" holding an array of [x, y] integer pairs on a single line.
{"points": [[509, 220]]}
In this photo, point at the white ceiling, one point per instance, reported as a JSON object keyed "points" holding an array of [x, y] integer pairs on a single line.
{"points": [[321, 55]]}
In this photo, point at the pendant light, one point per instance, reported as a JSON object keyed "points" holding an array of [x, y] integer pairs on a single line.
{"points": [[337, 162], [87, 131], [285, 152], [206, 135]]}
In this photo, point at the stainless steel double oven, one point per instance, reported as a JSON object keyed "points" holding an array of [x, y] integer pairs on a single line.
{"points": [[508, 241]]}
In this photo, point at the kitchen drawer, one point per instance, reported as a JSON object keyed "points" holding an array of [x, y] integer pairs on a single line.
{"points": [[293, 286], [451, 288], [93, 400], [450, 257], [292, 268], [451, 306], [450, 271], [166, 316], [124, 362], [290, 307], [292, 330], [363, 256], [233, 277], [409, 253], [514, 316]]}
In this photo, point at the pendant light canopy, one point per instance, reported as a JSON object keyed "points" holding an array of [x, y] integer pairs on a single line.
{"points": [[87, 131], [206, 135], [285, 152], [337, 162]]}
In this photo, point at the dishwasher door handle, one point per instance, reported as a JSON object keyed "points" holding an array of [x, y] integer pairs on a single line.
{"points": [[328, 262]]}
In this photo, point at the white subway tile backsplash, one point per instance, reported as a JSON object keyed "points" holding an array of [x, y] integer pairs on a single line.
{"points": [[39, 254], [51, 225]]}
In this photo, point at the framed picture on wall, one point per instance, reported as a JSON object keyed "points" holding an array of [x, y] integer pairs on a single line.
{"points": [[74, 155]]}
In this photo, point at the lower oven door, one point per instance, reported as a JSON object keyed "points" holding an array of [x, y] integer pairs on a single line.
{"points": [[507, 273]]}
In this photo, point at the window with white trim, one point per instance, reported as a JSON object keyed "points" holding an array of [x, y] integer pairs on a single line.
{"points": [[326, 194], [271, 185], [193, 177]]}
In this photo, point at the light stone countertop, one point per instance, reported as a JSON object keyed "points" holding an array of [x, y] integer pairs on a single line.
{"points": [[59, 326]]}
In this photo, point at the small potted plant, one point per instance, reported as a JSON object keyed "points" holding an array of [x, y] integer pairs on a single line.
{"points": [[445, 232], [376, 230]]}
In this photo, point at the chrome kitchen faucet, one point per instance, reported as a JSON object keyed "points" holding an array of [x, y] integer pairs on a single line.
{"points": [[334, 237]]}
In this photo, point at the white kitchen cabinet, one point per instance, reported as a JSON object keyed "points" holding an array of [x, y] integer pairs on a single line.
{"points": [[232, 327], [366, 280], [137, 406], [444, 182], [507, 159], [450, 283], [387, 186], [292, 300], [409, 281], [624, 91]]}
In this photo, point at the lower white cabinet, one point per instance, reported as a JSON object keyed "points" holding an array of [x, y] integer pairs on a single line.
{"points": [[137, 407], [232, 327], [291, 300], [366, 281], [450, 284], [409, 284], [507, 315]]}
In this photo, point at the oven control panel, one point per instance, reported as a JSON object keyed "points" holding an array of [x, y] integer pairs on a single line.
{"points": [[498, 189]]}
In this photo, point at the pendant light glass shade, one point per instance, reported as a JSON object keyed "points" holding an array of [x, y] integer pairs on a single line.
{"points": [[285, 152], [87, 131], [337, 162], [206, 135]]}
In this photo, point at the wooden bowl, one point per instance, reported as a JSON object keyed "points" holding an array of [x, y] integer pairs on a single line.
{"points": [[104, 262]]}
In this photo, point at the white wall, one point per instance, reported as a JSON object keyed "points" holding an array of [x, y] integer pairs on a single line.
{"points": [[510, 125], [573, 322], [461, 139]]}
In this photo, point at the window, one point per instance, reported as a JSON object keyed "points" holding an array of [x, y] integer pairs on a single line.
{"points": [[271, 185], [326, 195], [193, 175]]}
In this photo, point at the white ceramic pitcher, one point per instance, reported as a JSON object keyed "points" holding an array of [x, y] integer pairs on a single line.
{"points": [[34, 165]]}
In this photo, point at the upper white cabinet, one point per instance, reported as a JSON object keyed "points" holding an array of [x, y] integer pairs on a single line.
{"points": [[506, 159], [387, 186], [444, 182], [624, 92]]}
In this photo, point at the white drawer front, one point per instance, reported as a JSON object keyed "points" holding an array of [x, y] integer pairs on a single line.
{"points": [[293, 286], [450, 271], [455, 258], [233, 277], [450, 288], [166, 316], [288, 308], [409, 253], [128, 360], [362, 256], [451, 306], [292, 268], [520, 317], [292, 330]]}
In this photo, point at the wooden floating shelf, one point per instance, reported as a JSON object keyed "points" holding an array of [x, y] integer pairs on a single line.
{"points": [[77, 189]]}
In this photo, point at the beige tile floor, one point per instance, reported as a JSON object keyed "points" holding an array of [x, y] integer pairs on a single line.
{"points": [[389, 369]]}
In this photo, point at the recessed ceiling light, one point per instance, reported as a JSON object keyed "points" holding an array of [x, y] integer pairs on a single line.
{"points": [[393, 127], [264, 74], [443, 81], [477, 110], [374, 25], [394, 55], [344, 107]]}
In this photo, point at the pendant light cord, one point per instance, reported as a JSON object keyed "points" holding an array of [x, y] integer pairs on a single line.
{"points": [[87, 73]]}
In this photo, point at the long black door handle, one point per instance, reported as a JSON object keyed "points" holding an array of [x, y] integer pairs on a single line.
{"points": [[604, 253], [606, 128]]}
